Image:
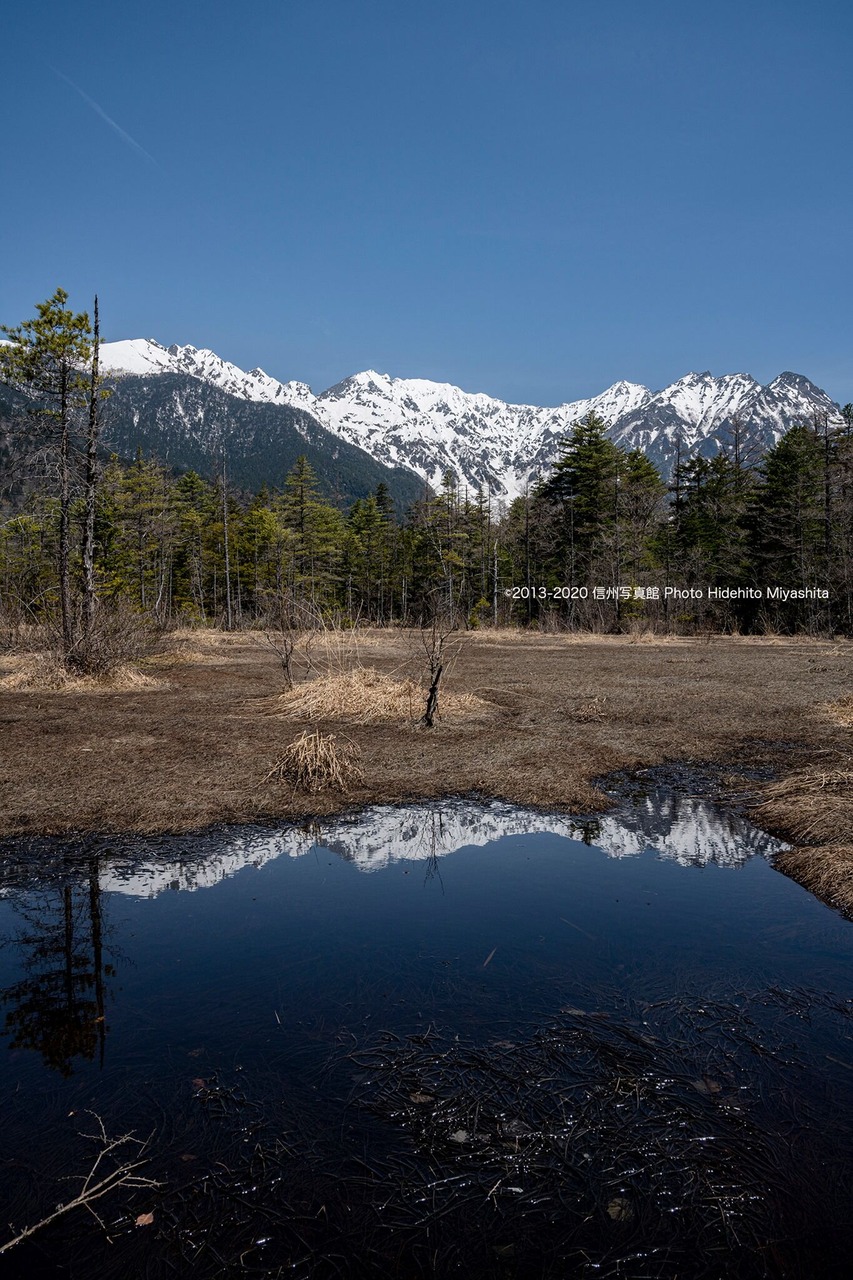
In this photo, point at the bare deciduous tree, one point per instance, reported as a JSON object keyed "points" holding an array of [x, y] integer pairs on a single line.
{"points": [[440, 656]]}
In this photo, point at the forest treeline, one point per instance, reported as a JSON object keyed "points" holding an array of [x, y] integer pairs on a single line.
{"points": [[601, 542]]}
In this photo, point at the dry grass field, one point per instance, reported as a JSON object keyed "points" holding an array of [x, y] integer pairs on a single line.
{"points": [[526, 717]]}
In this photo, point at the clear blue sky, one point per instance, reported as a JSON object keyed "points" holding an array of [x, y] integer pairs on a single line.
{"points": [[532, 198]]}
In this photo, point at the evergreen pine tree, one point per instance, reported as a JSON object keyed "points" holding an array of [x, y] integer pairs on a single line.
{"points": [[47, 357]]}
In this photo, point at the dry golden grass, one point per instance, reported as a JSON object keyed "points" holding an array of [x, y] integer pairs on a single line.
{"points": [[813, 806], [314, 762], [43, 673], [521, 639], [206, 638], [643, 635], [826, 872], [363, 695], [841, 712], [185, 652], [589, 712]]}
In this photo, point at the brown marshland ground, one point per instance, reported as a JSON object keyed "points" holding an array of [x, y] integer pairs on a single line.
{"points": [[534, 719]]}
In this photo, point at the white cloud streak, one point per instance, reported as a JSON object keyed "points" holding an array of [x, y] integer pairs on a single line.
{"points": [[125, 137]]}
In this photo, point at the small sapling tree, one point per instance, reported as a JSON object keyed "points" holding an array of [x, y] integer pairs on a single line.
{"points": [[434, 637]]}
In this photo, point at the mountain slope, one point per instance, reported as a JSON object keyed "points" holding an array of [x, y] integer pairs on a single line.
{"points": [[187, 423], [436, 427], [701, 413]]}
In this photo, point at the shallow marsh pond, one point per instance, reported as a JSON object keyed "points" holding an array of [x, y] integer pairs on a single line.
{"points": [[446, 1040]]}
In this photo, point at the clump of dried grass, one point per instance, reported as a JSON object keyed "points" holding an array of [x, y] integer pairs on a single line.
{"points": [[592, 711], [814, 806], [827, 872], [842, 711], [45, 673], [314, 762], [363, 695], [185, 652]]}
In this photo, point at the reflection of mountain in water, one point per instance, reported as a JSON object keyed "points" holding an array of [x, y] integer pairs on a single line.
{"points": [[689, 830], [201, 868]]}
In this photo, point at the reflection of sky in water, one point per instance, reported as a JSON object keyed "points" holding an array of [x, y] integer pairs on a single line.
{"points": [[686, 829]]}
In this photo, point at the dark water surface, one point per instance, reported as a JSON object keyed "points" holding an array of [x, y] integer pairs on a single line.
{"points": [[466, 1040]]}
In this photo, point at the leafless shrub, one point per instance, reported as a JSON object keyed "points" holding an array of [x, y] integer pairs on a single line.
{"points": [[120, 636], [766, 624], [290, 628], [641, 632], [13, 625], [282, 641], [338, 648], [441, 643], [313, 762]]}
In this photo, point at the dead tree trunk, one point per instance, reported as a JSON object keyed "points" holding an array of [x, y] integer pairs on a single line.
{"points": [[428, 717], [65, 519], [91, 490], [229, 620]]}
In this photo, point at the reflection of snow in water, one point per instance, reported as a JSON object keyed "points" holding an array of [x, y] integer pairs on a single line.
{"points": [[687, 829]]}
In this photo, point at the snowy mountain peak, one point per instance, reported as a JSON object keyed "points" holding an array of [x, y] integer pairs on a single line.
{"points": [[138, 356], [701, 400], [796, 382], [144, 356], [623, 388]]}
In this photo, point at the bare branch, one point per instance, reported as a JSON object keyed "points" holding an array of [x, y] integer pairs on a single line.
{"points": [[96, 1183]]}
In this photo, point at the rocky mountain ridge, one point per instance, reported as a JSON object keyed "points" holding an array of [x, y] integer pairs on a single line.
{"points": [[431, 428]]}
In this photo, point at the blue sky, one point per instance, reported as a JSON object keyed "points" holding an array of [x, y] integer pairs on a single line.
{"points": [[531, 199]]}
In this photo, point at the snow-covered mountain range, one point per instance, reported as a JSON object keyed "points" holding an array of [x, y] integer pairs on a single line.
{"points": [[432, 427]]}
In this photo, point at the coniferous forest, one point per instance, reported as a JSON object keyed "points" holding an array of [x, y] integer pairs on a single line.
{"points": [[734, 542]]}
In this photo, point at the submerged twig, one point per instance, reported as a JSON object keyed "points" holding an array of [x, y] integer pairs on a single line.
{"points": [[96, 1183]]}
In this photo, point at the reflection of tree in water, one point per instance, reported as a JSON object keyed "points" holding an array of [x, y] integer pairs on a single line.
{"points": [[58, 1007], [435, 845], [589, 830]]}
